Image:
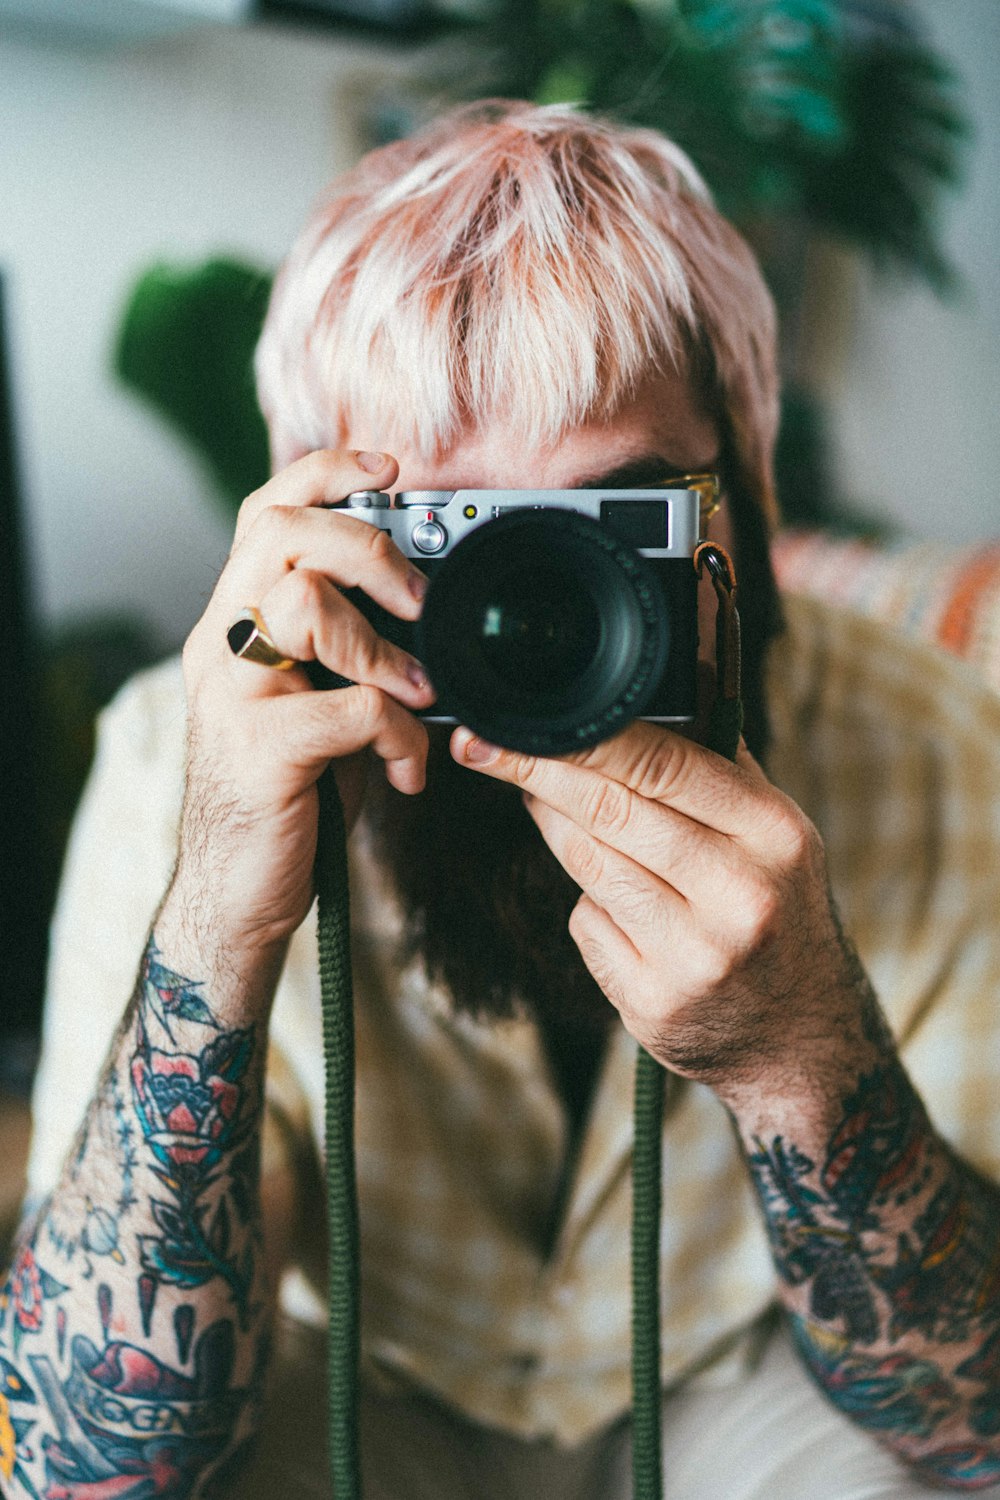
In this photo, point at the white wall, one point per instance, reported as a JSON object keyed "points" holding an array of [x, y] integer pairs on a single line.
{"points": [[218, 140], [916, 404], [109, 159]]}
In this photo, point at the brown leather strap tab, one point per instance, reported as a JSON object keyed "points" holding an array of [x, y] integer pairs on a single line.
{"points": [[710, 557]]}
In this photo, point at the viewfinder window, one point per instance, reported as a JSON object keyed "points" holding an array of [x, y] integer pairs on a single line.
{"points": [[640, 523]]}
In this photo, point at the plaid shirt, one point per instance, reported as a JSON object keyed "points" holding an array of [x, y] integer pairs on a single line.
{"points": [[894, 751]]}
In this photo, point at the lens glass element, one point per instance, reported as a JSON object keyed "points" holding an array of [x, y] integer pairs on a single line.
{"points": [[539, 630]]}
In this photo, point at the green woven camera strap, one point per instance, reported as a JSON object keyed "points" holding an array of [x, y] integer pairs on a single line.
{"points": [[724, 729], [344, 1342]]}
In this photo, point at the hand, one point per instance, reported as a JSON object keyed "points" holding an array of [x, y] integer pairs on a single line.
{"points": [[705, 914], [258, 738]]}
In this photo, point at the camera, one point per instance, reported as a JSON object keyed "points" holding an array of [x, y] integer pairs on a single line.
{"points": [[553, 617]]}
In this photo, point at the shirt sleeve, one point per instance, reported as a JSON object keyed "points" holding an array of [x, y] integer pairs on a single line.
{"points": [[893, 748], [119, 859]]}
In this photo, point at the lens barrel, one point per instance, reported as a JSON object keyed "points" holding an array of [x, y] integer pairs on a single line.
{"points": [[544, 633]]}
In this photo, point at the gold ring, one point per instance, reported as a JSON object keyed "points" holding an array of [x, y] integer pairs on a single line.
{"points": [[248, 638]]}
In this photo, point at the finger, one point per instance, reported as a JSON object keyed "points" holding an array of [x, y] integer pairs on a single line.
{"points": [[310, 620], [642, 905], [352, 553], [660, 767], [322, 477], [695, 860], [669, 768], [316, 728], [607, 952]]}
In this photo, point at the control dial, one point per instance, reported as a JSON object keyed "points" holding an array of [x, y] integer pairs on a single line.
{"points": [[368, 499]]}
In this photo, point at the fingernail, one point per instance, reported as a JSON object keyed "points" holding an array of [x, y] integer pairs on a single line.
{"points": [[480, 752], [373, 462], [418, 584], [417, 675]]}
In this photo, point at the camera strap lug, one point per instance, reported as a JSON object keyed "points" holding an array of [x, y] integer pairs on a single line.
{"points": [[715, 560]]}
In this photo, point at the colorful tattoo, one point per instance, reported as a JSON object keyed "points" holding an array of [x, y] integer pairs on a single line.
{"points": [[96, 1229], [984, 1366], [130, 1426], [946, 1276], [893, 1393], [806, 1248], [174, 1130], [971, 1466], [168, 995], [18, 1414], [190, 1109], [875, 1156], [26, 1297], [892, 1235]]}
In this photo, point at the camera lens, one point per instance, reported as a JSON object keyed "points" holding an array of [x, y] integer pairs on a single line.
{"points": [[544, 633]]}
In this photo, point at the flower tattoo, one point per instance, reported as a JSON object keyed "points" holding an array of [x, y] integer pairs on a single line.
{"points": [[190, 1110], [188, 1106]]}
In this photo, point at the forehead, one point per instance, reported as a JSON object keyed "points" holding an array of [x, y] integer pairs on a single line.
{"points": [[663, 426]]}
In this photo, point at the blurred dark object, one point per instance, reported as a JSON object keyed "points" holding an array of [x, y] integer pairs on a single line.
{"points": [[804, 468], [76, 669], [404, 20], [25, 876], [112, 23], [186, 346]]}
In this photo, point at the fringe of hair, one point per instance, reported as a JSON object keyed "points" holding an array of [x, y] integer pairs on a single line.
{"points": [[520, 267]]}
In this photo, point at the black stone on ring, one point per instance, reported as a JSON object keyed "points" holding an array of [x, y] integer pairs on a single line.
{"points": [[249, 639]]}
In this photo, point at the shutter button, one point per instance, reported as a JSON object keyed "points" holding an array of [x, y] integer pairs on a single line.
{"points": [[430, 535]]}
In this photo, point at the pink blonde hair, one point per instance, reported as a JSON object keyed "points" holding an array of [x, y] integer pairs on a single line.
{"points": [[522, 265]]}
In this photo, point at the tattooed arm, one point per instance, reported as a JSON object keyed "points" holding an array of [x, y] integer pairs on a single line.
{"points": [[706, 918], [133, 1324], [887, 1247], [133, 1330]]}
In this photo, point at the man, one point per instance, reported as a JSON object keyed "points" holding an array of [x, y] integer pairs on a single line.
{"points": [[519, 298]]}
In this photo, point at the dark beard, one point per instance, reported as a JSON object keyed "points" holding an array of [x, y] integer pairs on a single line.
{"points": [[485, 903]]}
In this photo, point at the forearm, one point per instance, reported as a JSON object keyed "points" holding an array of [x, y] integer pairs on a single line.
{"points": [[133, 1326], [887, 1248]]}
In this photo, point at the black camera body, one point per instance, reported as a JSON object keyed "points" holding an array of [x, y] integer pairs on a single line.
{"points": [[553, 617]]}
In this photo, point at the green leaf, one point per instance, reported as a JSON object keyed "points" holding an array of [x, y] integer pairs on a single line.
{"points": [[50, 1286], [186, 345], [170, 1220], [565, 83], [191, 1007]]}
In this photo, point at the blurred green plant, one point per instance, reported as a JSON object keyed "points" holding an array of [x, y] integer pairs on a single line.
{"points": [[832, 115], [836, 111], [185, 345]]}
